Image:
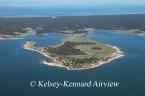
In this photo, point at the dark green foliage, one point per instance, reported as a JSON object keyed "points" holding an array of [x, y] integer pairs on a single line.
{"points": [[68, 48], [9, 25]]}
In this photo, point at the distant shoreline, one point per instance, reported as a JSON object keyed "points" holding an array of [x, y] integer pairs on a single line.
{"points": [[41, 16], [8, 37], [74, 24]]}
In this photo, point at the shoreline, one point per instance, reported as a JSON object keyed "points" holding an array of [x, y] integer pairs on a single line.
{"points": [[116, 55], [123, 31], [9, 37]]}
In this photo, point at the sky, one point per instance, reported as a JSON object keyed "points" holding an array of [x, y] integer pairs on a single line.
{"points": [[57, 3]]}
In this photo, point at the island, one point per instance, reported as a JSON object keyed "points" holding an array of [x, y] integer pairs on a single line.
{"points": [[77, 54]]}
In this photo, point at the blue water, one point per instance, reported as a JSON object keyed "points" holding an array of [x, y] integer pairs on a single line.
{"points": [[19, 66], [74, 11]]}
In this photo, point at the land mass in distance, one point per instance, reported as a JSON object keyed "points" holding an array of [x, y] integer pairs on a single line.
{"points": [[14, 27]]}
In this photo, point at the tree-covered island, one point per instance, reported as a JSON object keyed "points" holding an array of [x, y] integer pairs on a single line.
{"points": [[77, 55]]}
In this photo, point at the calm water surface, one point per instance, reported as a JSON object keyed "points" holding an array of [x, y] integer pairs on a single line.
{"points": [[19, 66]]}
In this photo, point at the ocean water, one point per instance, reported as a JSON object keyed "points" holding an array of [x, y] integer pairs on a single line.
{"points": [[19, 66], [71, 11]]}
